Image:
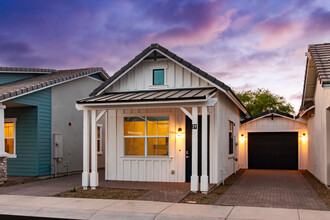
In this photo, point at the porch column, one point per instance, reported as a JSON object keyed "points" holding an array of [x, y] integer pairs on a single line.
{"points": [[94, 176], [86, 126], [194, 151], [204, 178]]}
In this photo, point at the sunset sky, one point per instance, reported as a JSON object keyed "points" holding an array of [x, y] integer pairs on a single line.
{"points": [[247, 44]]}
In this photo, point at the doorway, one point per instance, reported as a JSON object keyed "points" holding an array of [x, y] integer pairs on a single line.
{"points": [[188, 146]]}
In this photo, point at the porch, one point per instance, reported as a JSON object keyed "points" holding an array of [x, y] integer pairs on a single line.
{"points": [[146, 136]]}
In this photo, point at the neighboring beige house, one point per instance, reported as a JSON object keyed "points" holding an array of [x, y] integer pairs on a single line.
{"points": [[315, 107], [167, 121]]}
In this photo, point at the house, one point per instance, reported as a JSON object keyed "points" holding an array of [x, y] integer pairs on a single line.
{"points": [[165, 121], [315, 108], [40, 128]]}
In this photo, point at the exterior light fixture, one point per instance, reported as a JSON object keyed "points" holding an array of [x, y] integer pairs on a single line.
{"points": [[179, 133], [304, 137], [242, 138]]}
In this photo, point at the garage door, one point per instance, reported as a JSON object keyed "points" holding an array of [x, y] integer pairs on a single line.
{"points": [[273, 150]]}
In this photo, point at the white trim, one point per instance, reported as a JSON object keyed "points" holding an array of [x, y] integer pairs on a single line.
{"points": [[307, 110], [95, 79], [186, 112], [100, 115], [293, 119], [12, 120], [49, 86]]}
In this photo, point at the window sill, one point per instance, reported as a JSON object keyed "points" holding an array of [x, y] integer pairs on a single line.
{"points": [[158, 86], [11, 156], [148, 157]]}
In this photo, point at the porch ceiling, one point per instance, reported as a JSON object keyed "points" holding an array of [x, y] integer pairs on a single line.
{"points": [[152, 96]]}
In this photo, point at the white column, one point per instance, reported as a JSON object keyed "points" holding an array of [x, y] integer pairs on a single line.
{"points": [[2, 130], [94, 176], [194, 151], [204, 178], [86, 133]]}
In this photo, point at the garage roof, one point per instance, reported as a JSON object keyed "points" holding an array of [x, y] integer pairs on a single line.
{"points": [[272, 113]]}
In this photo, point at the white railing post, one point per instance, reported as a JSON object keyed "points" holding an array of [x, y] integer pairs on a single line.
{"points": [[194, 151], [94, 176], [204, 178], [86, 133]]}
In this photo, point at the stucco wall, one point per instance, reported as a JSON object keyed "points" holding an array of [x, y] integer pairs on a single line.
{"points": [[318, 132], [64, 111]]}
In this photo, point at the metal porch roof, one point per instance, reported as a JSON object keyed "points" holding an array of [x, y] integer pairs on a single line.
{"points": [[152, 95]]}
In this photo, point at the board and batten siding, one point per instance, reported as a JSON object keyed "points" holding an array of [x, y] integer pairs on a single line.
{"points": [[11, 77], [140, 77], [278, 124], [33, 148], [152, 168]]}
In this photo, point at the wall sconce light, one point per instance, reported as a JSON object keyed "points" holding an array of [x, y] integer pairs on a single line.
{"points": [[304, 137], [242, 138], [179, 133]]}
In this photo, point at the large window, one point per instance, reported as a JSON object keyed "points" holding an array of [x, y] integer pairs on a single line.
{"points": [[146, 136], [231, 137], [10, 135], [158, 77]]}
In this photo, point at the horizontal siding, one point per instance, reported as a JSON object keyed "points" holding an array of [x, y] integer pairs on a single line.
{"points": [[42, 148], [11, 77]]}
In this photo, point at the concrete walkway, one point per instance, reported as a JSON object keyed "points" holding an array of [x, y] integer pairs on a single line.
{"points": [[272, 188], [73, 208]]}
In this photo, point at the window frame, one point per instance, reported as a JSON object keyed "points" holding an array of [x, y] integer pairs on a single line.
{"points": [[99, 126], [233, 139], [12, 120], [153, 77], [145, 136]]}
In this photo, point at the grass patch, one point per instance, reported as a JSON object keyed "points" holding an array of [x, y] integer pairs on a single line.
{"points": [[319, 187], [212, 197], [103, 193]]}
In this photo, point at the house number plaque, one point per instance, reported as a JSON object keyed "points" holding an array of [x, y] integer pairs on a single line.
{"points": [[194, 126]]}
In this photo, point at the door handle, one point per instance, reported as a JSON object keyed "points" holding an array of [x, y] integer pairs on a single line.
{"points": [[187, 156]]}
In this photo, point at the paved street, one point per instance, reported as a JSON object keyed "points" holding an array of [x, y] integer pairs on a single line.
{"points": [[272, 188]]}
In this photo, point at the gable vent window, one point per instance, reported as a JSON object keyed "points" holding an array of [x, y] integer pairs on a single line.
{"points": [[158, 77]]}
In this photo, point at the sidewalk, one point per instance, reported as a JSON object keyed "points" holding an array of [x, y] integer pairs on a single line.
{"points": [[72, 208]]}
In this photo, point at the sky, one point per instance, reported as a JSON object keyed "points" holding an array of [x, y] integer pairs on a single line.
{"points": [[247, 44]]}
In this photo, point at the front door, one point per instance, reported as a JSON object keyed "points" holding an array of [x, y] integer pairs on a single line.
{"points": [[188, 146]]}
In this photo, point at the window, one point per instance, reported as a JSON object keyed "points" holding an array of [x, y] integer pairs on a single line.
{"points": [[146, 136], [99, 138], [10, 135], [158, 77], [231, 137]]}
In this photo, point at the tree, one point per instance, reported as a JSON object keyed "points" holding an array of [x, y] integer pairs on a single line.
{"points": [[263, 100]]}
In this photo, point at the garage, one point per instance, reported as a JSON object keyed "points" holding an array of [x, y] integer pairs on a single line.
{"points": [[273, 140], [273, 150]]}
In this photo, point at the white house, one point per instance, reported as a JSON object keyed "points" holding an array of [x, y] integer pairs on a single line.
{"points": [[315, 108], [166, 121]]}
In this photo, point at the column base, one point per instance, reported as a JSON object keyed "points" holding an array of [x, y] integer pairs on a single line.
{"points": [[94, 180], [194, 183], [204, 184], [85, 179]]}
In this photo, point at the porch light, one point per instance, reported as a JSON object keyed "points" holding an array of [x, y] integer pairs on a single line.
{"points": [[304, 137], [179, 133], [242, 138]]}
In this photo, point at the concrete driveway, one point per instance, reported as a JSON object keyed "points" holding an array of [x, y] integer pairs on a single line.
{"points": [[272, 188]]}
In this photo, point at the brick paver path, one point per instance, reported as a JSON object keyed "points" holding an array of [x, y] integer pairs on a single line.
{"points": [[158, 191], [272, 188]]}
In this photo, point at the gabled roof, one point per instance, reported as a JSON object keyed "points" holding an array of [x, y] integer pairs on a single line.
{"points": [[21, 87], [268, 113], [317, 68], [162, 50]]}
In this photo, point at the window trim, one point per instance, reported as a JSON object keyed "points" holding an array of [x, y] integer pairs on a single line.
{"points": [[13, 120], [230, 155], [100, 139], [145, 136], [153, 76]]}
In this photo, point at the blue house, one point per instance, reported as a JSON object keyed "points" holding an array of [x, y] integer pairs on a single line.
{"points": [[39, 118]]}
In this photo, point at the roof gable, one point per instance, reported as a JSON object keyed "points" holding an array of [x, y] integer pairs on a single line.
{"points": [[270, 113], [25, 86], [158, 50]]}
